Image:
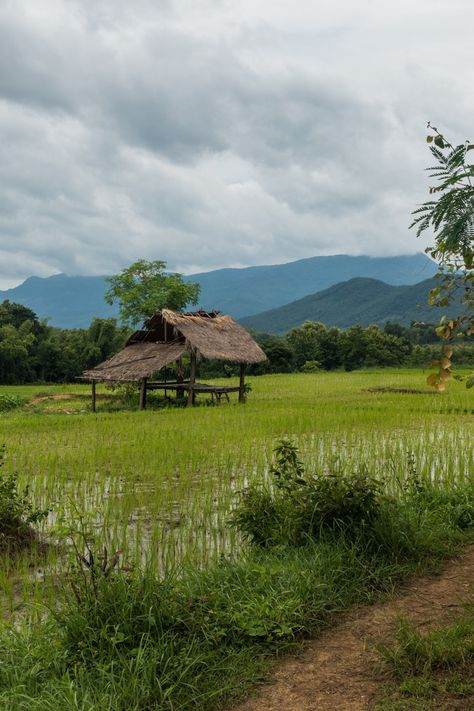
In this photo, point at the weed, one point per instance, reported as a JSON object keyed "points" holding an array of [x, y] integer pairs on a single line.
{"points": [[427, 667], [297, 507], [10, 402], [17, 513]]}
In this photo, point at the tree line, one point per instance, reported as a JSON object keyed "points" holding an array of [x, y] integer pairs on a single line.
{"points": [[312, 347], [33, 351]]}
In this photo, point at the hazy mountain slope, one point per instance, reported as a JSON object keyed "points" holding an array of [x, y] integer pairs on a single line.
{"points": [[75, 301], [69, 302], [243, 292], [360, 300]]}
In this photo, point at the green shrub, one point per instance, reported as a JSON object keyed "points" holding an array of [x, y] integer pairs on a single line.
{"points": [[17, 513], [296, 507], [9, 402], [311, 366]]}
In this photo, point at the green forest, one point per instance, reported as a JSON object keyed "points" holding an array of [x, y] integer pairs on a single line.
{"points": [[32, 351]]}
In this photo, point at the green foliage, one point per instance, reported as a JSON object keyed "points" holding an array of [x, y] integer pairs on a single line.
{"points": [[428, 669], [311, 366], [454, 505], [9, 402], [297, 507], [451, 216], [305, 341], [15, 347], [30, 351], [128, 640], [372, 347], [144, 287], [17, 513]]}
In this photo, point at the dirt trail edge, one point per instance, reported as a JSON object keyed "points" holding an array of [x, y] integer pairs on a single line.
{"points": [[334, 670]]}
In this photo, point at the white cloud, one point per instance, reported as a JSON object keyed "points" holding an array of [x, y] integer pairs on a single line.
{"points": [[217, 133]]}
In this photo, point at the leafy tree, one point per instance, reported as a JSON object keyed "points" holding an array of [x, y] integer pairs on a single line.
{"points": [[366, 347], [144, 287], [330, 348], [305, 341], [451, 216], [15, 352], [12, 314], [104, 335]]}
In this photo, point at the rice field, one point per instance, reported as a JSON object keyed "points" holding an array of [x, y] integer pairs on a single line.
{"points": [[159, 484]]}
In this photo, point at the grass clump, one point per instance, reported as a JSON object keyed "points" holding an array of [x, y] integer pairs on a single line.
{"points": [[10, 402], [427, 668], [17, 513], [296, 507]]}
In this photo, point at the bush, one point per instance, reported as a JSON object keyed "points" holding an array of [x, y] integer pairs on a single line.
{"points": [[296, 507], [9, 402], [16, 512], [311, 366]]}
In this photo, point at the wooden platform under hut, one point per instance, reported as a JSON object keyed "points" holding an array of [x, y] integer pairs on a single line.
{"points": [[164, 339]]}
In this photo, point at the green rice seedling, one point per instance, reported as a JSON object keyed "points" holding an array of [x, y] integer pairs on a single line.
{"points": [[162, 483]]}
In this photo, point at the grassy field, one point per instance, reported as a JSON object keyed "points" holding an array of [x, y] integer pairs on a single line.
{"points": [[159, 484], [192, 614]]}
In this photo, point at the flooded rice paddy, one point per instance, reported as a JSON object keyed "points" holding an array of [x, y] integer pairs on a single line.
{"points": [[159, 485]]}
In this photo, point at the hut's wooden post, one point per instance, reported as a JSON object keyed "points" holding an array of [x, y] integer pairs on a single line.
{"points": [[143, 394], [192, 379], [93, 396], [179, 378], [242, 383]]}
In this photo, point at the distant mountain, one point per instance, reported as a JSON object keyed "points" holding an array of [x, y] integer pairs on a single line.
{"points": [[68, 301], [73, 301], [243, 292], [357, 301]]}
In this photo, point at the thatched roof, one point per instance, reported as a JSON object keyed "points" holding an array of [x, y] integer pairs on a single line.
{"points": [[136, 361], [168, 334], [217, 337]]}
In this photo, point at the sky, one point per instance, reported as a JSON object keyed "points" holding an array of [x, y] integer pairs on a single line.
{"points": [[213, 133]]}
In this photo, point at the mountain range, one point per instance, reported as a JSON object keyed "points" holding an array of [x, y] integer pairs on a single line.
{"points": [[359, 300], [73, 301]]}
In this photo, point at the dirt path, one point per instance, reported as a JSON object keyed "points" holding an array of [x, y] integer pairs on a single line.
{"points": [[334, 671]]}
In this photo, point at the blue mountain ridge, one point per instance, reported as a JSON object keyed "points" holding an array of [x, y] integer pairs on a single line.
{"points": [[356, 301], [73, 301]]}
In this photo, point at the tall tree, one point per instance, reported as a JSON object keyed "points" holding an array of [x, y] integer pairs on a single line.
{"points": [[450, 214], [144, 287]]}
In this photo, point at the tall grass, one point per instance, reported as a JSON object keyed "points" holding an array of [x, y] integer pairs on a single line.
{"points": [[132, 641]]}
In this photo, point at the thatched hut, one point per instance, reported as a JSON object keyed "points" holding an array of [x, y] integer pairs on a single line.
{"points": [[164, 339]]}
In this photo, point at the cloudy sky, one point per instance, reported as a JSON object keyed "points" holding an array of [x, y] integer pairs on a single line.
{"points": [[214, 133]]}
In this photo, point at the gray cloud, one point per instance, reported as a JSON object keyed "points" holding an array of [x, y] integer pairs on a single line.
{"points": [[214, 133]]}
